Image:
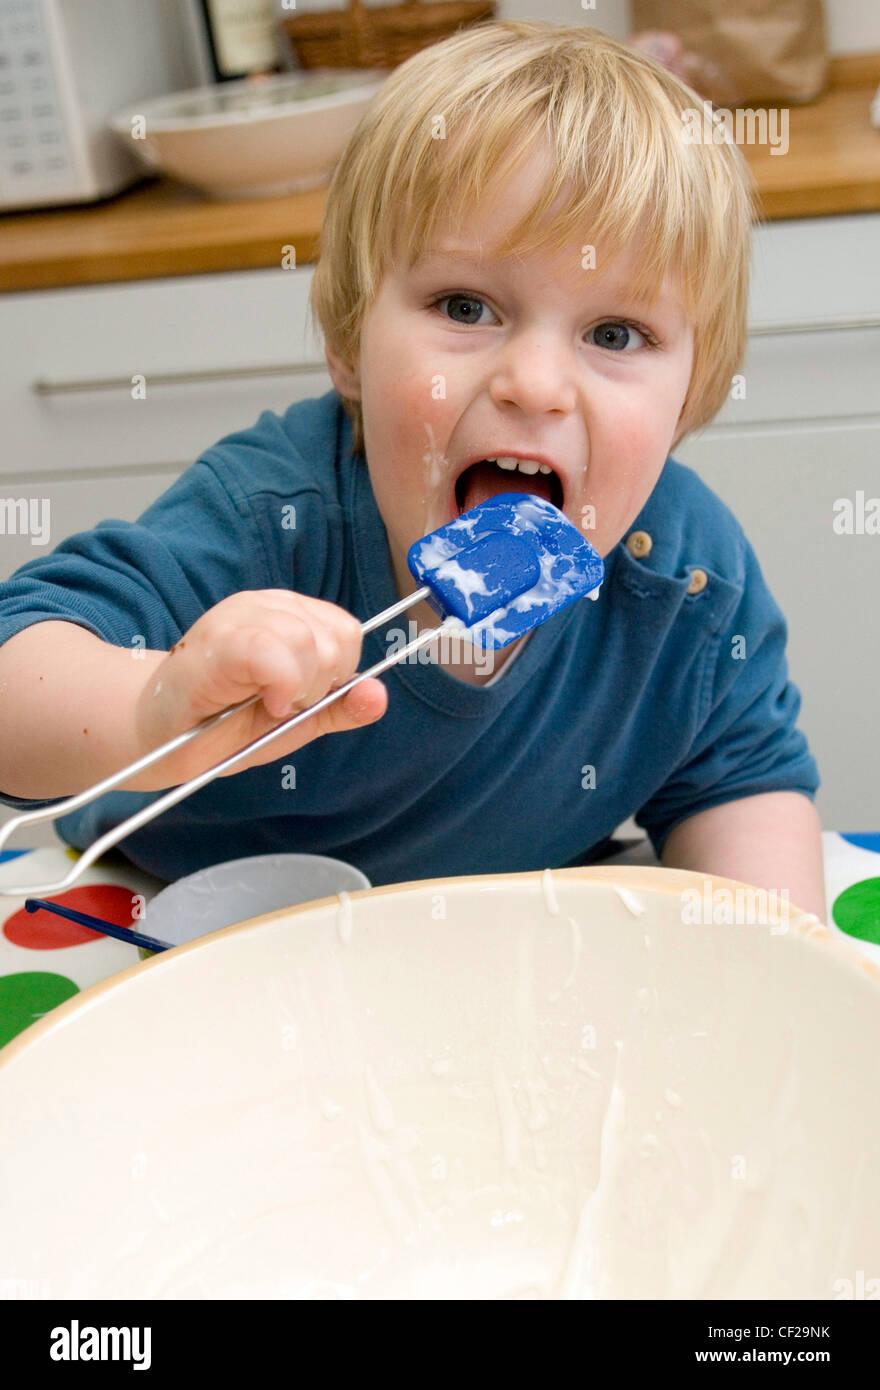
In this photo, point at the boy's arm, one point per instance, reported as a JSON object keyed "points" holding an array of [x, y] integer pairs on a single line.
{"points": [[67, 701], [772, 840]]}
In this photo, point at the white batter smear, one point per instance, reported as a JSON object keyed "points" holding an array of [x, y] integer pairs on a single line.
{"points": [[550, 900], [631, 900], [584, 1277], [343, 918], [379, 1105], [507, 1114]]}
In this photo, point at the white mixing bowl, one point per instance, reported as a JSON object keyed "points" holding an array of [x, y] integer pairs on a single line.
{"points": [[523, 1086], [252, 139]]}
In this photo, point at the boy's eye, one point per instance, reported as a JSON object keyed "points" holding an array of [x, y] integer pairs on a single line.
{"points": [[612, 334], [467, 307], [617, 336]]}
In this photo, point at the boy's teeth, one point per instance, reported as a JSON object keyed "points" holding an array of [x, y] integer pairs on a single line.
{"points": [[524, 465]]}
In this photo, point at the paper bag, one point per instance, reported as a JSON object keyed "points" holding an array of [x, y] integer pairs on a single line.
{"points": [[770, 51]]}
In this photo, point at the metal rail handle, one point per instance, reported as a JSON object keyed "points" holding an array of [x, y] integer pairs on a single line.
{"points": [[844, 325], [46, 386], [175, 794]]}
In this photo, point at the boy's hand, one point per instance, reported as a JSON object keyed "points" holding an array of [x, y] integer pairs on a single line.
{"points": [[288, 648]]}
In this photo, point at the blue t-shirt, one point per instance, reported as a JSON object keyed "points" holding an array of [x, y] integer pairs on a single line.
{"points": [[648, 701]]}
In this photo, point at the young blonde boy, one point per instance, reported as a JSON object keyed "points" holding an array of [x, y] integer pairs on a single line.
{"points": [[529, 281]]}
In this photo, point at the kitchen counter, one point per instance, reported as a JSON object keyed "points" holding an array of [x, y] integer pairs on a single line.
{"points": [[161, 228]]}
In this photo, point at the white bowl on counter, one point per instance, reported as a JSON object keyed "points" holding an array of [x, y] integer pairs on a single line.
{"points": [[252, 139], [524, 1086], [239, 889]]}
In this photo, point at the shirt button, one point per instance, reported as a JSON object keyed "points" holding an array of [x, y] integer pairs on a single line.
{"points": [[699, 580], [639, 543]]}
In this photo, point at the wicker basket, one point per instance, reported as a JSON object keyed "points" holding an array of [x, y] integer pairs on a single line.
{"points": [[377, 37]]}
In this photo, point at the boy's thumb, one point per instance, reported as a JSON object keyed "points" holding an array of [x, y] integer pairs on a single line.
{"points": [[366, 703]]}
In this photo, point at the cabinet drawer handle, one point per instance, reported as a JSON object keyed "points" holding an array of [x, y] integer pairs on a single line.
{"points": [[767, 330], [45, 386]]}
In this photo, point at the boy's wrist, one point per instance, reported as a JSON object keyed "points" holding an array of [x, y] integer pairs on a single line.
{"points": [[152, 726]]}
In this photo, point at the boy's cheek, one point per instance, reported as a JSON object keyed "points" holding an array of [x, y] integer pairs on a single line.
{"points": [[405, 398], [642, 446], [616, 498]]}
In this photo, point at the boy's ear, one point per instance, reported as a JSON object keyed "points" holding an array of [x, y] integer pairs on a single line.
{"points": [[345, 377]]}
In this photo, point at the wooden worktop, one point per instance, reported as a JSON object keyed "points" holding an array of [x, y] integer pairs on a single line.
{"points": [[161, 228]]}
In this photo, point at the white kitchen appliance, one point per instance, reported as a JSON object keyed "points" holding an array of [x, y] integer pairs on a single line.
{"points": [[65, 65]]}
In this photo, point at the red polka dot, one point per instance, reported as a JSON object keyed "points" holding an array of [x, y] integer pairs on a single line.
{"points": [[44, 931]]}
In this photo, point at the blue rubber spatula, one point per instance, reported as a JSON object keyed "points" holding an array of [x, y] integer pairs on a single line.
{"points": [[505, 567], [494, 573]]}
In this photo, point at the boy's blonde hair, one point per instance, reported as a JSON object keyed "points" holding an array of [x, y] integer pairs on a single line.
{"points": [[613, 120]]}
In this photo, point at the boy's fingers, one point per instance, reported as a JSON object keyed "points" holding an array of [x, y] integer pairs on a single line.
{"points": [[322, 615], [266, 662], [290, 657], [364, 704]]}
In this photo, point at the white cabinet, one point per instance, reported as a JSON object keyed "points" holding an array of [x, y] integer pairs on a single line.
{"points": [[107, 393], [806, 434], [215, 350]]}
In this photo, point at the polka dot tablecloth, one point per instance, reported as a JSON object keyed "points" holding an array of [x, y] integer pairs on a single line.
{"points": [[45, 959], [852, 888]]}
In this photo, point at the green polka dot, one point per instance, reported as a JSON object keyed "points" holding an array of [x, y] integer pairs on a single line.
{"points": [[857, 910], [24, 998]]}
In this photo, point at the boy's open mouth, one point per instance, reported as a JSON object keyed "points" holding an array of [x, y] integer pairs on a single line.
{"points": [[490, 476]]}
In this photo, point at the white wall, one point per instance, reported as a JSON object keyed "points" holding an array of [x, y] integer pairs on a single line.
{"points": [[610, 15], [853, 25]]}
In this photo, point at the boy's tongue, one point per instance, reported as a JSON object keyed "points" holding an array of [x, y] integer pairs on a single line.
{"points": [[484, 480]]}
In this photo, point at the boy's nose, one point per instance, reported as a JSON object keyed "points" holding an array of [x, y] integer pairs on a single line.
{"points": [[536, 373]]}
